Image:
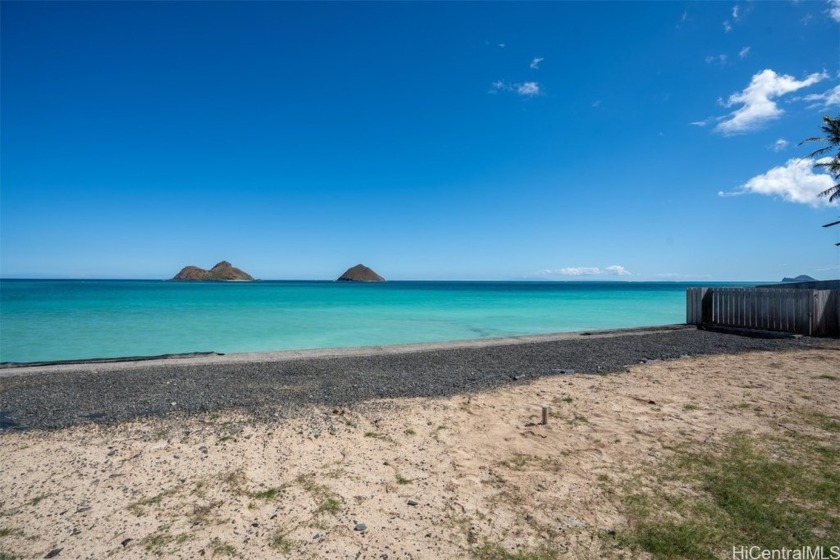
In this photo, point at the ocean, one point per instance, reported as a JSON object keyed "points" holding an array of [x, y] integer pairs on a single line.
{"points": [[47, 320]]}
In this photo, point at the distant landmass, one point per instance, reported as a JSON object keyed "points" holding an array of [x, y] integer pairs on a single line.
{"points": [[360, 273], [222, 271], [800, 278]]}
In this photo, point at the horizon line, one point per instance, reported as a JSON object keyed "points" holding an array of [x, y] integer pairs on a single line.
{"points": [[533, 280]]}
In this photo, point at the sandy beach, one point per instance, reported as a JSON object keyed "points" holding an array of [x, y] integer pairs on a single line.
{"points": [[445, 476]]}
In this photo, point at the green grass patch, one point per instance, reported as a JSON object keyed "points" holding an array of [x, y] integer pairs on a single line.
{"points": [[495, 551], [410, 432], [578, 419], [157, 543], [160, 435], [235, 482], [403, 480], [826, 376], [741, 406], [200, 488], [138, 507], [438, 430], [777, 492], [690, 406], [269, 494], [38, 499], [327, 500], [10, 532], [281, 543], [329, 505], [822, 421], [202, 513], [516, 462], [222, 549]]}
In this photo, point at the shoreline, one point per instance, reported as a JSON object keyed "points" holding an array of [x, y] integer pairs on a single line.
{"points": [[8, 369], [278, 386]]}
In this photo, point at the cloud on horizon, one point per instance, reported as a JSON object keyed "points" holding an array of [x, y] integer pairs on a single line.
{"points": [[577, 271], [793, 182], [757, 105]]}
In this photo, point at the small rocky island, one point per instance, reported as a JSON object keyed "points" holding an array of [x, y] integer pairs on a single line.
{"points": [[224, 271], [800, 278], [360, 273]]}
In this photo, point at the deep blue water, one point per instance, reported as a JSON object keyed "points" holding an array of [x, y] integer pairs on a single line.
{"points": [[73, 319]]}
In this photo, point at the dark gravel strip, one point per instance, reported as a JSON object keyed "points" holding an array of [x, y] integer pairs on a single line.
{"points": [[279, 388]]}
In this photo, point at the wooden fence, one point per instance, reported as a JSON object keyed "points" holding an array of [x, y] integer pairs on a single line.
{"points": [[800, 311]]}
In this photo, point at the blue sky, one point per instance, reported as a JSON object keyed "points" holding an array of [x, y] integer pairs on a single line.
{"points": [[621, 141]]}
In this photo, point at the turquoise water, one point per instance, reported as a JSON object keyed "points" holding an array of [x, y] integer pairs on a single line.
{"points": [[60, 320]]}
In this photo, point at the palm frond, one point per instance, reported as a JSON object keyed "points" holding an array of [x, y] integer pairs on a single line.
{"points": [[833, 193], [819, 152]]}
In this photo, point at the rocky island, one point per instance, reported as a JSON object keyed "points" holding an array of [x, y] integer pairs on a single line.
{"points": [[223, 271], [360, 273], [800, 278]]}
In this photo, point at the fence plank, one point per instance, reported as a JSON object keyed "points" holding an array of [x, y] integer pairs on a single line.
{"points": [[802, 311]]}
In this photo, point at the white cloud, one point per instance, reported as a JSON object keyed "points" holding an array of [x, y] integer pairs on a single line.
{"points": [[727, 27], [793, 182], [735, 13], [827, 99], [719, 59], [780, 145], [535, 64], [614, 270], [756, 100], [744, 52], [528, 88], [834, 10], [617, 270], [578, 271]]}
